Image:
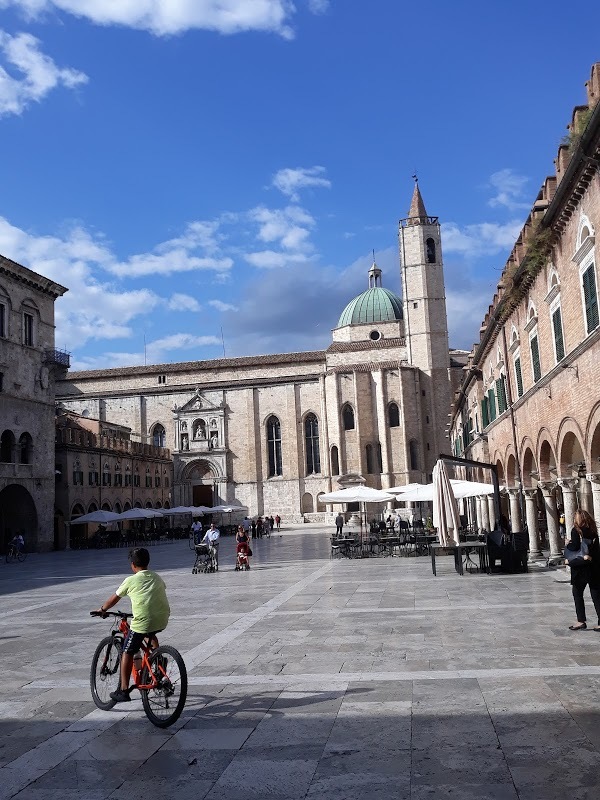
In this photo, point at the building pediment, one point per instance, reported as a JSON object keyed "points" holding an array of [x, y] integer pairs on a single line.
{"points": [[198, 402]]}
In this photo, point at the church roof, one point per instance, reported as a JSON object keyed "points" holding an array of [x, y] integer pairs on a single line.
{"points": [[375, 305]]}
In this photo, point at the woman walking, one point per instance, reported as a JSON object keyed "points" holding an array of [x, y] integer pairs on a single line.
{"points": [[585, 568]]}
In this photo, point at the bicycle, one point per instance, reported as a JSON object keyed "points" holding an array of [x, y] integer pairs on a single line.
{"points": [[14, 554], [159, 673]]}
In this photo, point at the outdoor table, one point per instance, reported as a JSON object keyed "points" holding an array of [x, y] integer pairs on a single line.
{"points": [[458, 550], [387, 544], [469, 547], [345, 546]]}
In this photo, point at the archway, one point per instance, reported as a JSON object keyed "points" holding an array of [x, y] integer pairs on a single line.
{"points": [[307, 503], [511, 471], [571, 457], [547, 462], [320, 505], [200, 474], [18, 514]]}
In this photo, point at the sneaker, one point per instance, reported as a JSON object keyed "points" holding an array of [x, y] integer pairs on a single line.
{"points": [[120, 696]]}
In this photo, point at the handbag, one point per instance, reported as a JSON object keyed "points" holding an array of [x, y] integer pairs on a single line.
{"points": [[576, 557]]}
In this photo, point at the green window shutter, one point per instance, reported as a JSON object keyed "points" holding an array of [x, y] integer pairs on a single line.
{"points": [[485, 414], [492, 404], [501, 394], [559, 343], [591, 298], [535, 359], [519, 376]]}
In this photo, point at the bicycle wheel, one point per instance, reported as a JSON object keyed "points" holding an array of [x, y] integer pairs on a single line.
{"points": [[192, 541], [164, 704], [11, 554], [21, 555], [105, 674]]}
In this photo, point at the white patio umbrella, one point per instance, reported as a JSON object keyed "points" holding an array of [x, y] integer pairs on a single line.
{"points": [[180, 510], [357, 494], [406, 488], [101, 517], [470, 489], [139, 513], [445, 510]]}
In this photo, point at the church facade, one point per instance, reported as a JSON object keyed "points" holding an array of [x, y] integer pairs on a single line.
{"points": [[272, 433]]}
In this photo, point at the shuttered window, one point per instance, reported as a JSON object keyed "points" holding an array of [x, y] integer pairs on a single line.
{"points": [[519, 376], [559, 344], [501, 394], [535, 359], [590, 298], [485, 412], [491, 404]]}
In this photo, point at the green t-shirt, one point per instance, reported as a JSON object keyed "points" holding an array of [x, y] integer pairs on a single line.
{"points": [[149, 603]]}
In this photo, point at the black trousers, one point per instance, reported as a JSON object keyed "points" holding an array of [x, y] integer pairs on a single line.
{"points": [[338, 529], [579, 584]]}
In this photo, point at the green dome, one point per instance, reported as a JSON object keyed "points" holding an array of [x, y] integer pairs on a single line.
{"points": [[375, 305]]}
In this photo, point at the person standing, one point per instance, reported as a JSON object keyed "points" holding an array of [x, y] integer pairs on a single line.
{"points": [[211, 538], [339, 524], [585, 570], [278, 521], [196, 530]]}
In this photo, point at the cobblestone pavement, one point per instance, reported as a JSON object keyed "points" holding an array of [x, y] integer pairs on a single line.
{"points": [[309, 678]]}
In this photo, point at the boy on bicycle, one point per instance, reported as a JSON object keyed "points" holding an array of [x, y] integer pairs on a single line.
{"points": [[150, 607]]}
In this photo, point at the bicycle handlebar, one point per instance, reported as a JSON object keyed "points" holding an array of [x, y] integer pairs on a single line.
{"points": [[120, 614]]}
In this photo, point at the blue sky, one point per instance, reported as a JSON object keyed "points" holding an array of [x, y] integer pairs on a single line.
{"points": [[192, 166]]}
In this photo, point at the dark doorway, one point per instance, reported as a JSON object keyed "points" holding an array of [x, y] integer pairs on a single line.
{"points": [[17, 513], [202, 495]]}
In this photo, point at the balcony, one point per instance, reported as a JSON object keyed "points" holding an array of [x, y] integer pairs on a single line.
{"points": [[59, 358]]}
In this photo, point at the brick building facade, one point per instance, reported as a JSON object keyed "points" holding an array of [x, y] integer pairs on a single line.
{"points": [[529, 400], [99, 467]]}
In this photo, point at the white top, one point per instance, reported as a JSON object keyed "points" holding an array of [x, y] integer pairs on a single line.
{"points": [[210, 537]]}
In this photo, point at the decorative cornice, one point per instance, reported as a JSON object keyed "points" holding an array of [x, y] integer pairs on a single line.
{"points": [[586, 247]]}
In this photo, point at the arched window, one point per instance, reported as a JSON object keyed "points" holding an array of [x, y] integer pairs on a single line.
{"points": [[159, 436], [274, 447], [311, 441], [430, 246], [26, 449], [393, 415], [369, 454], [335, 461], [348, 418], [7, 447], [413, 454]]}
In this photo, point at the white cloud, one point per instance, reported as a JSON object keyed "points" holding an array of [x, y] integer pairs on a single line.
{"points": [[37, 74], [93, 308], [179, 254], [318, 6], [508, 186], [220, 306], [484, 238], [167, 17], [291, 181], [156, 352], [270, 259], [183, 302]]}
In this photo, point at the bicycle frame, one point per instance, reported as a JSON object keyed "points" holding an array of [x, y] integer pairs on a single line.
{"points": [[148, 645]]}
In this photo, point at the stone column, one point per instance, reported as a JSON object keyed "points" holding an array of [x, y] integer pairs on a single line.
{"points": [[551, 519], [594, 479], [515, 512], [532, 523], [491, 511], [485, 517], [585, 496], [478, 513], [568, 486]]}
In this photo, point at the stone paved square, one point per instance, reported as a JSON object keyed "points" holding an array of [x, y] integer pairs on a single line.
{"points": [[309, 678]]}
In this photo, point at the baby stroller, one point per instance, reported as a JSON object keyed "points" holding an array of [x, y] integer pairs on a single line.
{"points": [[206, 559], [242, 561]]}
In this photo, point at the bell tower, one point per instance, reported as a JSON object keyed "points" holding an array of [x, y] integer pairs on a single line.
{"points": [[424, 305]]}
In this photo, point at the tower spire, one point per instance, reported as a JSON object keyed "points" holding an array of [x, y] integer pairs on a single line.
{"points": [[374, 274], [417, 206]]}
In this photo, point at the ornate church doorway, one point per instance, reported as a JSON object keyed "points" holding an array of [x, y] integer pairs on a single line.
{"points": [[202, 495]]}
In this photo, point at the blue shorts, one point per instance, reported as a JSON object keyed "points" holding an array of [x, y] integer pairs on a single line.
{"points": [[133, 641]]}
